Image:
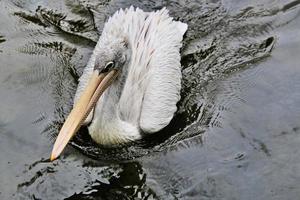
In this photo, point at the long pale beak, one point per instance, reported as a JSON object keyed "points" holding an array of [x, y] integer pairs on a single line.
{"points": [[96, 86]]}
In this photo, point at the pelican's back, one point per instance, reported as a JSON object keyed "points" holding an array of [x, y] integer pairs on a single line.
{"points": [[153, 83]]}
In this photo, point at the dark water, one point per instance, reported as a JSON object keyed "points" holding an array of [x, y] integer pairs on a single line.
{"points": [[236, 134]]}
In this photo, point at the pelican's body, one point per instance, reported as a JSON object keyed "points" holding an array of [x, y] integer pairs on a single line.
{"points": [[140, 50]]}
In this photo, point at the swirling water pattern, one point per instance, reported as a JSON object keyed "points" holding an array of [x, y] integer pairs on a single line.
{"points": [[236, 132]]}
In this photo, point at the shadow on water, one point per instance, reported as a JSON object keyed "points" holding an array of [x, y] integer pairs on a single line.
{"points": [[129, 182], [119, 181], [223, 52]]}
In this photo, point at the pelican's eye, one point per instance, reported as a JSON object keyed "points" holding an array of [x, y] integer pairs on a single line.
{"points": [[109, 66]]}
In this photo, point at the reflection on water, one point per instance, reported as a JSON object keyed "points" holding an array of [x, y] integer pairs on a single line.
{"points": [[118, 181], [235, 130]]}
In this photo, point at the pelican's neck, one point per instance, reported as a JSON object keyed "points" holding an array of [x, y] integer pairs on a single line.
{"points": [[108, 103], [107, 127]]}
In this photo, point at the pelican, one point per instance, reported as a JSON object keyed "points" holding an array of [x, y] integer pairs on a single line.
{"points": [[135, 69]]}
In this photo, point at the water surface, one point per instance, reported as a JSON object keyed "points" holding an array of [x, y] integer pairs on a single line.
{"points": [[235, 134]]}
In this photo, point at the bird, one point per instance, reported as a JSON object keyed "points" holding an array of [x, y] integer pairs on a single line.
{"points": [[132, 81]]}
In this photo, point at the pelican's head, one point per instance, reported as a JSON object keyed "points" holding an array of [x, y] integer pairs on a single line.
{"points": [[110, 60], [112, 56]]}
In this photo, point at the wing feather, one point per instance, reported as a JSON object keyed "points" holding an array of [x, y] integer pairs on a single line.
{"points": [[153, 84], [163, 89]]}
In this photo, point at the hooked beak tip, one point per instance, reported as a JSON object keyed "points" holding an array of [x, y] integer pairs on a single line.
{"points": [[52, 157]]}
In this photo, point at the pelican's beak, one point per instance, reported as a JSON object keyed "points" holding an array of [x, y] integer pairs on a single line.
{"points": [[96, 86]]}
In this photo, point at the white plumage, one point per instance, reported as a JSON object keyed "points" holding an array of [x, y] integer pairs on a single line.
{"points": [[143, 98]]}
